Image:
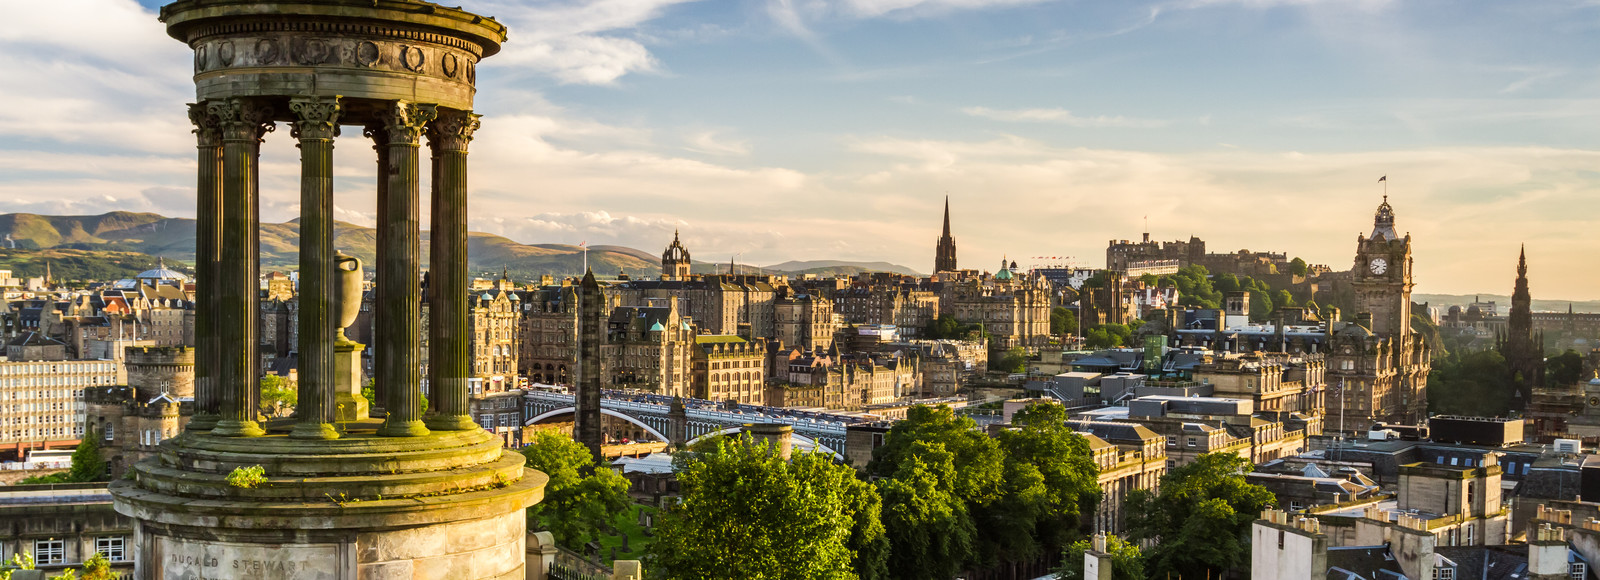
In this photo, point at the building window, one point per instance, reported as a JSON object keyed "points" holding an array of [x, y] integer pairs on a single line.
{"points": [[112, 547], [1443, 573], [1578, 571], [49, 551], [1191, 442]]}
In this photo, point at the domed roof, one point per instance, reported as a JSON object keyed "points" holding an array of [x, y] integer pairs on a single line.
{"points": [[162, 273], [657, 327], [1595, 382], [1003, 274]]}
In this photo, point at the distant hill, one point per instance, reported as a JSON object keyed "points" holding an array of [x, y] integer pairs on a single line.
{"points": [[833, 267], [1445, 301], [73, 264], [113, 239]]}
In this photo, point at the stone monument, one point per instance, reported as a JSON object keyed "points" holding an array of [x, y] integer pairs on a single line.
{"points": [[327, 494]]}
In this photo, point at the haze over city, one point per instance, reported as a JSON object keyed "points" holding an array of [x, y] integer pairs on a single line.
{"points": [[831, 130]]}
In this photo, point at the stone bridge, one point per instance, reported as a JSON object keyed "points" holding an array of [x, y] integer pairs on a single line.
{"points": [[653, 413]]}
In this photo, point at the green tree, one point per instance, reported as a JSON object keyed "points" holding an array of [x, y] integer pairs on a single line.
{"points": [[1200, 518], [1476, 383], [1150, 280], [1261, 306], [278, 395], [1050, 482], [1298, 267], [1013, 361], [1127, 562], [978, 460], [1283, 299], [1564, 369], [1063, 321], [97, 567], [747, 513], [581, 497], [929, 529], [1099, 337], [87, 464]]}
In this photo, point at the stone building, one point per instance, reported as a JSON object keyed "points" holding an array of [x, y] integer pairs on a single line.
{"points": [[546, 350], [1014, 307], [1275, 382], [61, 526], [675, 262], [729, 368], [803, 320], [154, 405], [1130, 457], [908, 308], [494, 326], [649, 348], [1380, 363], [42, 402]]}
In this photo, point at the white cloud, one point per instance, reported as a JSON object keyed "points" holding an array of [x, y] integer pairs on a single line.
{"points": [[576, 41], [876, 8], [1061, 116], [711, 143]]}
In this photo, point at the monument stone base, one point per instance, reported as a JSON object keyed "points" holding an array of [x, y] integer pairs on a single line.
{"points": [[362, 507]]}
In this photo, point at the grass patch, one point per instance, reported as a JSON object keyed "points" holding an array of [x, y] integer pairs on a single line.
{"points": [[627, 523]]}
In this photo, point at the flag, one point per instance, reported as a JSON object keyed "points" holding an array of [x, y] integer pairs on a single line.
{"points": [[1384, 178], [583, 244]]}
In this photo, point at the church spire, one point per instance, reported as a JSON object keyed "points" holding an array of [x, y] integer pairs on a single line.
{"points": [[947, 216], [944, 257], [1522, 266]]}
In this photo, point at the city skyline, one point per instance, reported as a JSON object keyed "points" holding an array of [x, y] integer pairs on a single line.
{"points": [[818, 130]]}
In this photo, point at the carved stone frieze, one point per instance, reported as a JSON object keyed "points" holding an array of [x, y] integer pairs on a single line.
{"points": [[452, 64], [317, 117]]}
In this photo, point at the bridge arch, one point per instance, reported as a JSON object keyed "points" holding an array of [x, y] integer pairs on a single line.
{"points": [[796, 437], [603, 411]]}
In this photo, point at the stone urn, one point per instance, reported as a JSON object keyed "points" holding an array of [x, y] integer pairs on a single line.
{"points": [[347, 276]]}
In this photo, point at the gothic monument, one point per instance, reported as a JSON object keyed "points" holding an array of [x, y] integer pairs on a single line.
{"points": [[397, 495]]}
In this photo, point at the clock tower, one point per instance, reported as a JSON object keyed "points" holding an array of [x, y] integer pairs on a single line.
{"points": [[1382, 275]]}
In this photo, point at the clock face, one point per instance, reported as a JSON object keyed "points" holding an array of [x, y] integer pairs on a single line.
{"points": [[1379, 265]]}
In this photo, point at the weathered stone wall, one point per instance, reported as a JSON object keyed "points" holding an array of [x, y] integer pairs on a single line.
{"points": [[491, 547]]}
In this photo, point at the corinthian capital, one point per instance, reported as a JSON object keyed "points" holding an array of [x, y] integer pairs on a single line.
{"points": [[207, 128], [405, 121], [317, 117], [453, 130], [242, 119]]}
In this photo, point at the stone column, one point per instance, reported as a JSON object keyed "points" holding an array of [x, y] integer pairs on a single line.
{"points": [[208, 241], [591, 312], [317, 125], [380, 356], [448, 359], [238, 389], [398, 267]]}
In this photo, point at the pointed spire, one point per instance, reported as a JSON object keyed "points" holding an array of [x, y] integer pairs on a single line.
{"points": [[947, 216], [1522, 262]]}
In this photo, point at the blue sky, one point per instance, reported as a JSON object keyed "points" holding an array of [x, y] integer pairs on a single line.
{"points": [[831, 129]]}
